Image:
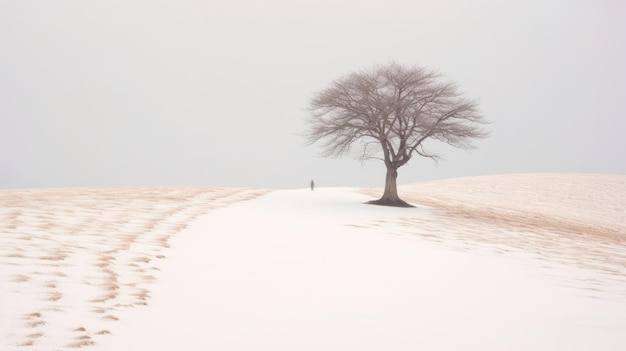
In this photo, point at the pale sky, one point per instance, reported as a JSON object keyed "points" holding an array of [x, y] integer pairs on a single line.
{"points": [[126, 92]]}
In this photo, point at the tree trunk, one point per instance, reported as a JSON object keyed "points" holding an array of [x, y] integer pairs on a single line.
{"points": [[390, 196], [391, 188]]}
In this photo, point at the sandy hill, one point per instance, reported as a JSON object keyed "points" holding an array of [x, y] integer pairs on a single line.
{"points": [[513, 262]]}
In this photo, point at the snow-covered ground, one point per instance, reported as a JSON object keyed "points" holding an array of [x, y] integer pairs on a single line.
{"points": [[511, 262]]}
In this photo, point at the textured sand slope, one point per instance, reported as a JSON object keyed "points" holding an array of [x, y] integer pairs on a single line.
{"points": [[584, 203], [574, 219], [71, 259]]}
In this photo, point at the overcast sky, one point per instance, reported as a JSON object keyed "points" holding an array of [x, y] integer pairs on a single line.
{"points": [[127, 92]]}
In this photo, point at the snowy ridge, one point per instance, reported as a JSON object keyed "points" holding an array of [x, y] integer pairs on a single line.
{"points": [[577, 220]]}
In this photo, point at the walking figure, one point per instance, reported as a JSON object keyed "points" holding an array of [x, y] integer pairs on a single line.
{"points": [[312, 185]]}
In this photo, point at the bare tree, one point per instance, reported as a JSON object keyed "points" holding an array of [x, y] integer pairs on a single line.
{"points": [[391, 110]]}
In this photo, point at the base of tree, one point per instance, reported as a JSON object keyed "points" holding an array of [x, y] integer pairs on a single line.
{"points": [[389, 202]]}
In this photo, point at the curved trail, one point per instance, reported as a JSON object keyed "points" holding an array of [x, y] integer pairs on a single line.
{"points": [[302, 270]]}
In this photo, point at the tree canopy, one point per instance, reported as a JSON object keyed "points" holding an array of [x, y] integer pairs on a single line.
{"points": [[387, 112]]}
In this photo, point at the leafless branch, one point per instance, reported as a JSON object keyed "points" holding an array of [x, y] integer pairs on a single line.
{"points": [[395, 108]]}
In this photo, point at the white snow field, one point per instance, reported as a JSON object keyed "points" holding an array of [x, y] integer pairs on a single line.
{"points": [[509, 262]]}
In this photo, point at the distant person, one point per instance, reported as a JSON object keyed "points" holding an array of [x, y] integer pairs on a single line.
{"points": [[312, 185]]}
